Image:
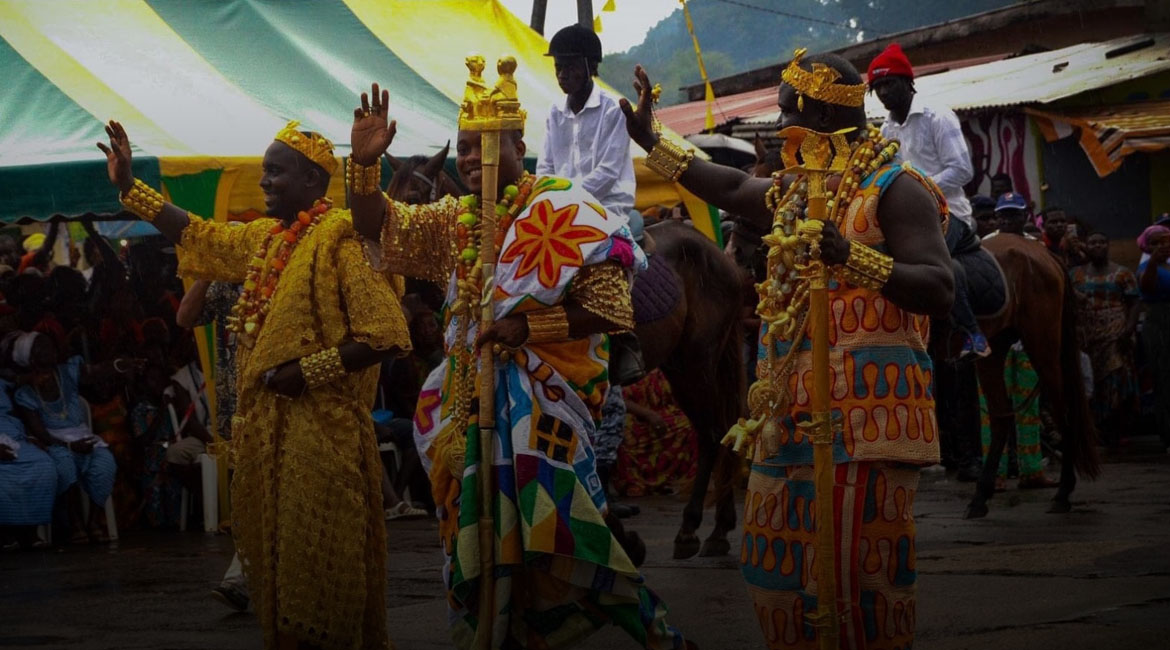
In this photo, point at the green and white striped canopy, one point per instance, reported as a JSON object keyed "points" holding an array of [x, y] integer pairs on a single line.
{"points": [[202, 87]]}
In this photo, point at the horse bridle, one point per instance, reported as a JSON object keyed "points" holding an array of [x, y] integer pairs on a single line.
{"points": [[430, 183]]}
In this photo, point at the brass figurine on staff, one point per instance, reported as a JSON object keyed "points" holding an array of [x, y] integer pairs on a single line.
{"points": [[810, 157], [488, 111], [821, 155]]}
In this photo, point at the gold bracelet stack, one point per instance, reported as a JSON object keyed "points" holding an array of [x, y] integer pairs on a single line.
{"points": [[668, 160], [322, 368], [866, 268], [143, 201], [363, 180], [547, 325]]}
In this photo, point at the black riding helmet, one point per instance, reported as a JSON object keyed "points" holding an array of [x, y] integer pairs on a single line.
{"points": [[575, 40]]}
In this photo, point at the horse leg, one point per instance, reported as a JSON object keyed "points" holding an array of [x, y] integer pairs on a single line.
{"points": [[726, 471], [1045, 354], [686, 542], [1003, 424]]}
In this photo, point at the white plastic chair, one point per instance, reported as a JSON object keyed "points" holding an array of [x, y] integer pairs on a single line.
{"points": [[392, 449], [209, 475]]}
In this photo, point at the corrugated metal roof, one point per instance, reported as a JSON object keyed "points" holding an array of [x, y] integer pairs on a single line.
{"points": [[690, 118], [1034, 78]]}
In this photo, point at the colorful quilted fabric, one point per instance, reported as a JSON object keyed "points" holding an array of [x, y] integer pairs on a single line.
{"points": [[881, 393], [881, 377], [559, 572], [876, 571], [1021, 380]]}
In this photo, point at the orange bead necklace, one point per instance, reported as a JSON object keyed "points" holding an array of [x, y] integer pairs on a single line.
{"points": [[251, 309]]}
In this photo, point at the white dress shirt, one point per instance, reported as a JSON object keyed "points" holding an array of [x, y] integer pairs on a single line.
{"points": [[932, 141], [591, 148]]}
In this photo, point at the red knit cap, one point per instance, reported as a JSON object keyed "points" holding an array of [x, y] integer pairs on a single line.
{"points": [[891, 62]]}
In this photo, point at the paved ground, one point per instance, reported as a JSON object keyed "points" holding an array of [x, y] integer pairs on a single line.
{"points": [[1097, 578]]}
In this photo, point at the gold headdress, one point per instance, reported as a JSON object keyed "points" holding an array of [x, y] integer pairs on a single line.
{"points": [[820, 83], [314, 146], [494, 109]]}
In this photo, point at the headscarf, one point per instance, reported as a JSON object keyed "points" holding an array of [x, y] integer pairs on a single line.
{"points": [[22, 348], [1143, 240]]}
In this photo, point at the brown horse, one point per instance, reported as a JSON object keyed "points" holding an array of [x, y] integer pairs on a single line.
{"points": [[696, 345], [419, 179], [1041, 314], [699, 350]]}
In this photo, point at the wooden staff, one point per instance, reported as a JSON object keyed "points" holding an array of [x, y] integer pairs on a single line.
{"points": [[490, 161], [822, 154], [488, 111]]}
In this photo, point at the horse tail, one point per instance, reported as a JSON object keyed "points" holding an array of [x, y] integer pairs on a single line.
{"points": [[1079, 428]]}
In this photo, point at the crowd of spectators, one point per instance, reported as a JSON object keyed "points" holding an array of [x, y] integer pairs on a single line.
{"points": [[99, 381]]}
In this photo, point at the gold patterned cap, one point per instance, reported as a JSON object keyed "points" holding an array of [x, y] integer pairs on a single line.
{"points": [[313, 146], [491, 109], [820, 83]]}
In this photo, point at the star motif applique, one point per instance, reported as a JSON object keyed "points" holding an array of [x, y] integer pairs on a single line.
{"points": [[547, 240]]}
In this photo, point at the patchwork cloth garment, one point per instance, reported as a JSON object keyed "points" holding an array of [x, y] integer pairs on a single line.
{"points": [[650, 462], [881, 392], [306, 495], [1103, 301], [559, 573], [1022, 382]]}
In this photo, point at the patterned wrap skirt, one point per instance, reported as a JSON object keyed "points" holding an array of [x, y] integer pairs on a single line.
{"points": [[874, 504]]}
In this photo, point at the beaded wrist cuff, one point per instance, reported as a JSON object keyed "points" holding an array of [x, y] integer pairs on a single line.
{"points": [[547, 325], [363, 180], [143, 201], [322, 368], [866, 268], [668, 160]]}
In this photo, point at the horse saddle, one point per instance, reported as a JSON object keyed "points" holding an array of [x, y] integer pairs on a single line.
{"points": [[656, 291], [986, 283]]}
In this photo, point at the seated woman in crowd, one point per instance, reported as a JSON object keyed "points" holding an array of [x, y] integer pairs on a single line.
{"points": [[53, 412], [28, 479]]}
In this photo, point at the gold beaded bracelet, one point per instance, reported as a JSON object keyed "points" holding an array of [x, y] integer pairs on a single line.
{"points": [[547, 325], [143, 201], [668, 160], [363, 180], [322, 367], [866, 267]]}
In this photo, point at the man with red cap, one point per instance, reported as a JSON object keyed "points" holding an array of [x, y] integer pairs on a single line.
{"points": [[932, 141]]}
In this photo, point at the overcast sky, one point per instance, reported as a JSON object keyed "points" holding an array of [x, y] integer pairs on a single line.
{"points": [[620, 29]]}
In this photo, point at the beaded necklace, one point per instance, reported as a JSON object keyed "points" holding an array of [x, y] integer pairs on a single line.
{"points": [[784, 294], [469, 281], [260, 282]]}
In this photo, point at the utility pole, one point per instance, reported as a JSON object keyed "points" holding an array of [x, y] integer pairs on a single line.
{"points": [[585, 13], [539, 8]]}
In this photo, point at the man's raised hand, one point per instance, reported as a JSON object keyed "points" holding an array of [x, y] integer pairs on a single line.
{"points": [[118, 157], [372, 131], [640, 122]]}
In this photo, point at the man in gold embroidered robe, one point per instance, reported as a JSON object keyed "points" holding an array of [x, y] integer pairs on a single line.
{"points": [[314, 322]]}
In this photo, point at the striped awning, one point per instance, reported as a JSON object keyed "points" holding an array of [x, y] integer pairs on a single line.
{"points": [[202, 86], [1110, 133]]}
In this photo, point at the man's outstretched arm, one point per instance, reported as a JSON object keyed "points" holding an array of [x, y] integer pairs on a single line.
{"points": [[170, 220], [370, 137], [724, 187]]}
